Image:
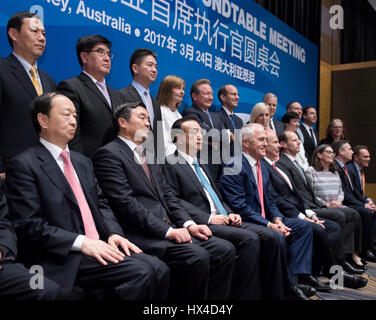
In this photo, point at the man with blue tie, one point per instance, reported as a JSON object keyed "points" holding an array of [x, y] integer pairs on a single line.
{"points": [[257, 271], [229, 97], [249, 193]]}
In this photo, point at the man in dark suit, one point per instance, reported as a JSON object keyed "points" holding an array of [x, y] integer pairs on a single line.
{"points": [[249, 193], [272, 101], [94, 100], [143, 67], [153, 217], [257, 272], [202, 100], [62, 220], [354, 199], [21, 80], [311, 137], [347, 219], [325, 233], [14, 277]]}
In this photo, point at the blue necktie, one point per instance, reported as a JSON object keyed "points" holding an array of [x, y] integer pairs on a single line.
{"points": [[210, 119], [209, 189], [232, 120]]}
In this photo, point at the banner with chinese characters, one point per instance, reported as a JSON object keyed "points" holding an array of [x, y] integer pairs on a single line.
{"points": [[228, 42]]}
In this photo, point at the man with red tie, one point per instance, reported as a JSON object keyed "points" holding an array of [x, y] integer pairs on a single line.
{"points": [[249, 193], [63, 222], [355, 199]]}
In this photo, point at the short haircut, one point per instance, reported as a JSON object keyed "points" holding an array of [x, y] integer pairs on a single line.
{"points": [[283, 137], [178, 124], [222, 91], [138, 55], [124, 111], [289, 105], [257, 109], [338, 145], [358, 148], [249, 129], [287, 117], [196, 85], [164, 95], [316, 163], [305, 109], [87, 43], [42, 104], [16, 21], [268, 95]]}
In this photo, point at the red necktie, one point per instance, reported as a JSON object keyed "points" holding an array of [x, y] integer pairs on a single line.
{"points": [[260, 188], [348, 177], [87, 217]]}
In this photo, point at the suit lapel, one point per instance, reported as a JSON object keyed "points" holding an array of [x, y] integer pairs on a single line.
{"points": [[52, 170], [128, 153], [21, 75], [93, 87], [251, 177]]}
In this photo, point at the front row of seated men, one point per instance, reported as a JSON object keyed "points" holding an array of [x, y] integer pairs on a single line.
{"points": [[182, 240]]}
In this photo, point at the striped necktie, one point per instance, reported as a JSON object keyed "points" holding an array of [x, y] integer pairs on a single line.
{"points": [[34, 80]]}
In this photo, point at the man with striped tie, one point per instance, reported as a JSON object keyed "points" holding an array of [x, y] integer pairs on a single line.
{"points": [[21, 80]]}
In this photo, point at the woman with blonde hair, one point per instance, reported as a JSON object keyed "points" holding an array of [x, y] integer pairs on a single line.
{"points": [[170, 96], [260, 114]]}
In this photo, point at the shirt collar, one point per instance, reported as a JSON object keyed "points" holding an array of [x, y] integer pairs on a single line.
{"points": [[24, 63], [290, 157], [130, 143], [271, 162], [139, 87], [341, 164], [92, 78], [357, 166], [53, 148], [252, 161], [306, 126], [227, 111], [187, 157]]}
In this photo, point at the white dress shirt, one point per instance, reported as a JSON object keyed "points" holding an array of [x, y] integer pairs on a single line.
{"points": [[168, 119]]}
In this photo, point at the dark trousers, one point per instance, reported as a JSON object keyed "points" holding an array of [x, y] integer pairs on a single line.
{"points": [[369, 227], [323, 242], [138, 277], [246, 278], [351, 225], [15, 284], [273, 280], [200, 270], [298, 246]]}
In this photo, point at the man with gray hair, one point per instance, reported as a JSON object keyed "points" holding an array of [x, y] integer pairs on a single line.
{"points": [[250, 194], [271, 100]]}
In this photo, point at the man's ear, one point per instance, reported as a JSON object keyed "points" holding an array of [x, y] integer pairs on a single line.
{"points": [[42, 119]]}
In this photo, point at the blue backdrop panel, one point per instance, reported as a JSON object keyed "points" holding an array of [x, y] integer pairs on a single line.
{"points": [[229, 42]]}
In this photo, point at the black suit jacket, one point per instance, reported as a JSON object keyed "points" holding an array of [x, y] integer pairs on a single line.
{"points": [[188, 188], [203, 118], [46, 215], [288, 201], [130, 94], [294, 175], [145, 213], [352, 197], [226, 121], [309, 144], [354, 176], [8, 239], [16, 95], [94, 115]]}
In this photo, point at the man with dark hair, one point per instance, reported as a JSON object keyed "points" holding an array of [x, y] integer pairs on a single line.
{"points": [[202, 100], [311, 138], [257, 272], [347, 219], [354, 199], [144, 70], [154, 218], [63, 221], [297, 108], [21, 80], [93, 98], [229, 97], [291, 123], [14, 277], [272, 101]]}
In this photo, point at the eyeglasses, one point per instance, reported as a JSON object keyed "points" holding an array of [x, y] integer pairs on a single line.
{"points": [[329, 151], [102, 53]]}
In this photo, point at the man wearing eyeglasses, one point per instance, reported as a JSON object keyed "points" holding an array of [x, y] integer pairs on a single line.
{"points": [[94, 100]]}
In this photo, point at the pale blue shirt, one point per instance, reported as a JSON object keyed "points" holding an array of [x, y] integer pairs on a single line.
{"points": [[27, 66]]}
